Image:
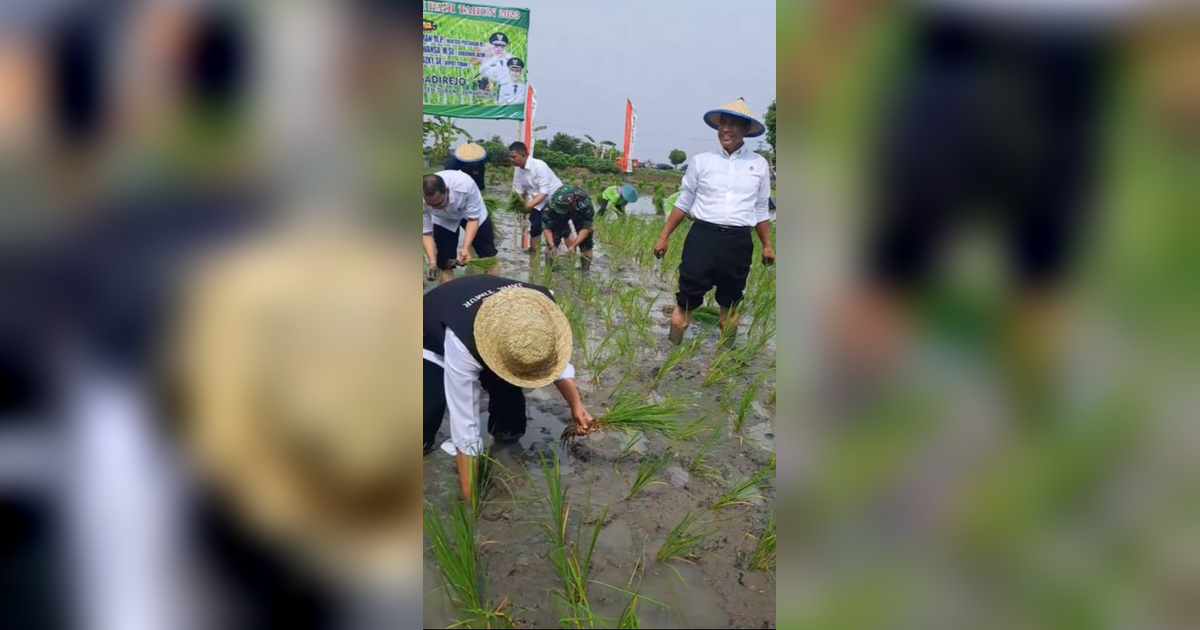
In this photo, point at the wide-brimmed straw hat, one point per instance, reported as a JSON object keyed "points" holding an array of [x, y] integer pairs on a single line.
{"points": [[629, 193], [470, 153], [523, 337], [741, 110], [295, 400]]}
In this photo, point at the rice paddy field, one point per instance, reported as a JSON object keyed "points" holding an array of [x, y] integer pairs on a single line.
{"points": [[665, 518]]}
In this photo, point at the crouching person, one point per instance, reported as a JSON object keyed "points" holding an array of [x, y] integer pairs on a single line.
{"points": [[498, 335], [570, 206]]}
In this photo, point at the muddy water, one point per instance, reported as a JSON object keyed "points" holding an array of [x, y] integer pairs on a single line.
{"points": [[711, 590]]}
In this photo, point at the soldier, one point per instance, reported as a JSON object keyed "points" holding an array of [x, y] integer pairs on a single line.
{"points": [[513, 93], [570, 206], [619, 197]]}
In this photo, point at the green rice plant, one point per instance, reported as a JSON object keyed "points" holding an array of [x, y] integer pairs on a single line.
{"points": [[731, 362], [634, 438], [742, 492], [676, 357], [516, 205], [493, 205], [746, 403], [681, 543], [629, 618], [480, 263], [452, 538], [707, 315], [632, 413], [692, 430], [570, 555], [699, 464], [482, 482], [763, 558], [650, 467]]}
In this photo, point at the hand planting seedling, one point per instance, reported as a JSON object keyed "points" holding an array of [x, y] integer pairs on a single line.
{"points": [[631, 413]]}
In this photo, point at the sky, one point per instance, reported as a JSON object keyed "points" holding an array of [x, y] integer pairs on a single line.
{"points": [[675, 59]]}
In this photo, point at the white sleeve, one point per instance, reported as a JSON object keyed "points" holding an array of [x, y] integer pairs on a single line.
{"points": [[762, 209], [475, 208], [541, 180], [462, 396], [568, 373], [426, 220], [687, 188]]}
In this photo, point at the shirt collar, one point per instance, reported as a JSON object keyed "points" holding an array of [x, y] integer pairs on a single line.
{"points": [[723, 153]]}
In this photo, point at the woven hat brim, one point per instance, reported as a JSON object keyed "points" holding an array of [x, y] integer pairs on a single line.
{"points": [[487, 339], [756, 128]]}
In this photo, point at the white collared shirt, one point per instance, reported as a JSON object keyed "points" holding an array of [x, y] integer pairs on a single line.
{"points": [[730, 190], [464, 202], [511, 94], [536, 179], [462, 394]]}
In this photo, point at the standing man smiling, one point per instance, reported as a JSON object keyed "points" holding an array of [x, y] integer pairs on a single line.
{"points": [[726, 193]]}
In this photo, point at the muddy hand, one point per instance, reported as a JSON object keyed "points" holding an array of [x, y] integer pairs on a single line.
{"points": [[660, 248], [431, 273], [583, 420]]}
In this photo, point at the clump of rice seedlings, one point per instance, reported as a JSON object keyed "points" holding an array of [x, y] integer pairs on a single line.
{"points": [[699, 464], [731, 362], [634, 438], [516, 205], [480, 263], [692, 430], [452, 538], [676, 357], [571, 556], [746, 403], [482, 482], [742, 492], [493, 205], [632, 413], [707, 315], [681, 543], [763, 558], [647, 471]]}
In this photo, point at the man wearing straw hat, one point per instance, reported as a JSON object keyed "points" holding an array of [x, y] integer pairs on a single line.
{"points": [[452, 200], [471, 159], [726, 192], [499, 335], [618, 197]]}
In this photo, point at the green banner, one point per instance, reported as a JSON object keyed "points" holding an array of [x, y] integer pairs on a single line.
{"points": [[474, 62]]}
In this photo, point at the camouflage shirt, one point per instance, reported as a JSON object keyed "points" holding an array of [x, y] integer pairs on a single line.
{"points": [[571, 203]]}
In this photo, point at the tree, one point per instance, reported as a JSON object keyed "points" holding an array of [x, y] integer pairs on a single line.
{"points": [[677, 157], [771, 126], [565, 144], [444, 133]]}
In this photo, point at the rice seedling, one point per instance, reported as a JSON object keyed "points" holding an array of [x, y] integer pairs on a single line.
{"points": [[629, 618], [570, 555], [699, 465], [632, 413], [746, 404], [681, 543], [482, 481], [763, 558], [516, 205], [742, 492], [707, 315], [731, 362], [493, 205], [633, 441], [692, 430], [647, 471], [479, 263], [452, 538], [677, 356]]}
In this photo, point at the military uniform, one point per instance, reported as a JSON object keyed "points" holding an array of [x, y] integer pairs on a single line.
{"points": [[570, 206]]}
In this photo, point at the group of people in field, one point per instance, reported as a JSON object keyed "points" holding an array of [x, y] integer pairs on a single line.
{"points": [[484, 332]]}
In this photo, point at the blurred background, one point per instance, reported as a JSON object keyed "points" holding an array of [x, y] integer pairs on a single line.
{"points": [[995, 210], [139, 139]]}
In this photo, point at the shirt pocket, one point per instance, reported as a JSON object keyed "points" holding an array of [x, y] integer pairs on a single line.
{"points": [[747, 181]]}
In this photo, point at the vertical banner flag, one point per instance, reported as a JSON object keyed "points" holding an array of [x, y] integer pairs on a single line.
{"points": [[530, 112], [474, 60], [630, 134]]}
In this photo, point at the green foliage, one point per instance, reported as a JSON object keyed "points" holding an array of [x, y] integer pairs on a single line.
{"points": [[770, 122], [647, 471], [682, 541], [677, 157], [452, 538], [442, 132], [763, 558], [570, 554]]}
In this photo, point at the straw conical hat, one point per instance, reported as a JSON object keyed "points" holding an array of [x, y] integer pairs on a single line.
{"points": [[741, 110], [295, 379], [470, 153], [523, 337]]}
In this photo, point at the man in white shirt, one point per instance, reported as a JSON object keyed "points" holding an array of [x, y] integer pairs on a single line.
{"points": [[727, 194], [482, 332], [536, 183], [452, 200]]}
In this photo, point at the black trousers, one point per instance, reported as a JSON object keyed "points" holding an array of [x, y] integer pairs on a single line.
{"points": [[506, 404], [714, 256]]}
